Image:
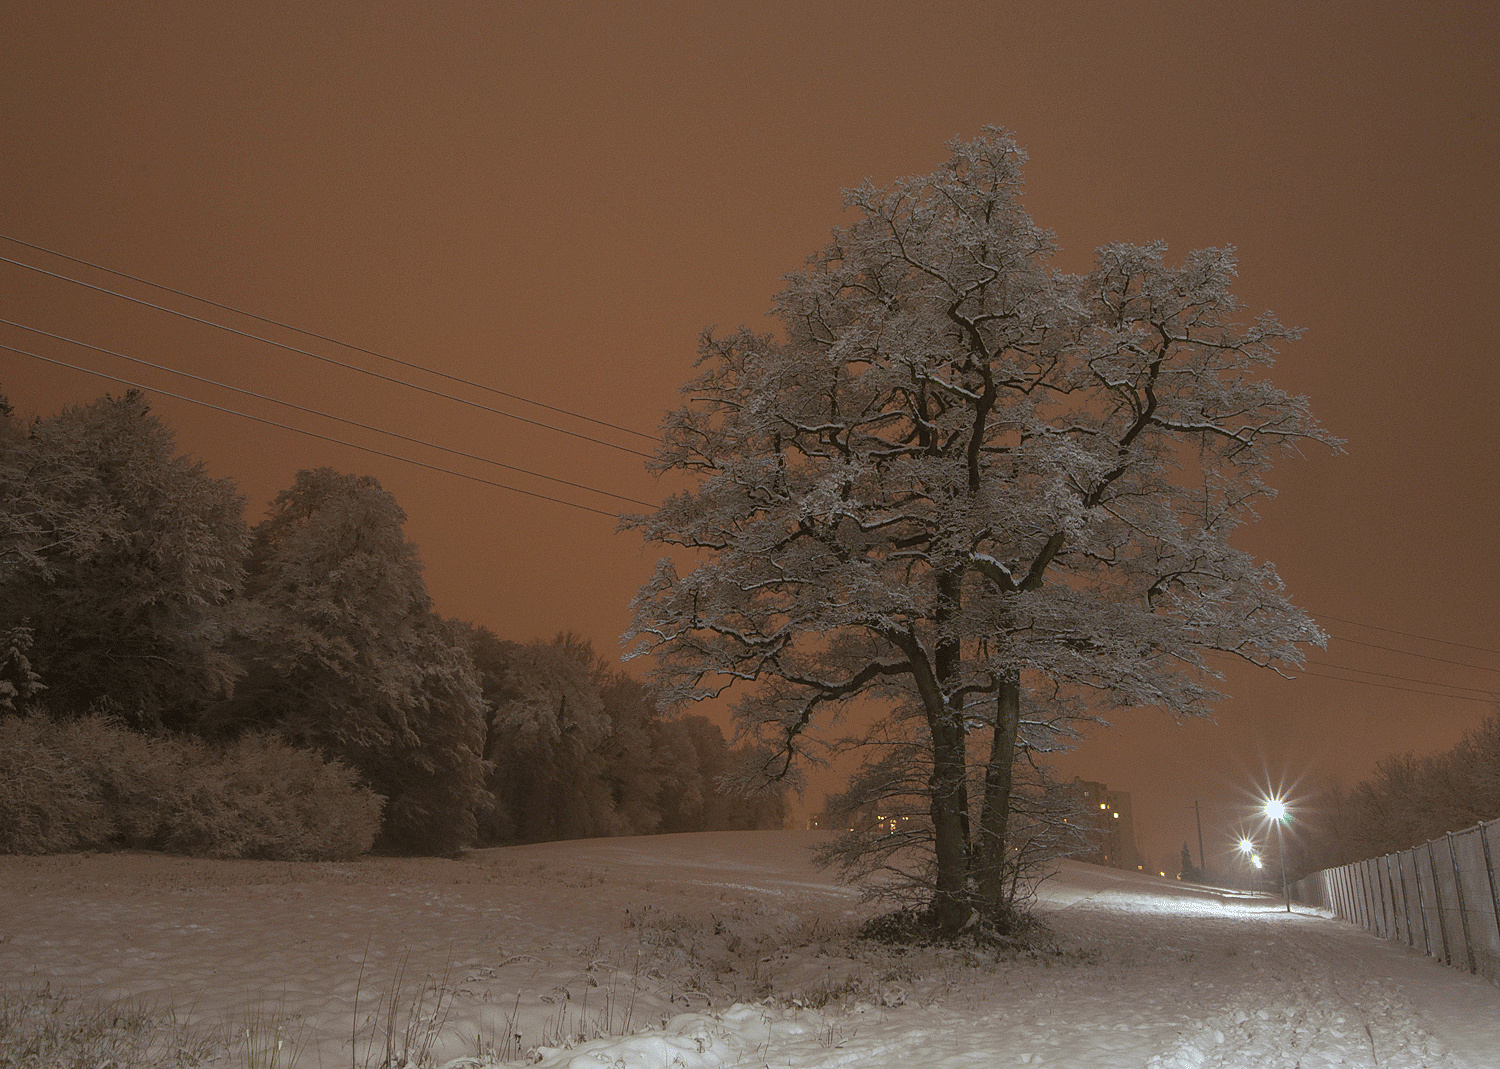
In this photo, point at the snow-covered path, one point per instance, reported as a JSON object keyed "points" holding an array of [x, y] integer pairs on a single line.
{"points": [[727, 949]]}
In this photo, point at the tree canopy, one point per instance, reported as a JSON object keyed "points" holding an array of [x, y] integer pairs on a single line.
{"points": [[170, 679], [345, 654], [117, 556], [991, 494]]}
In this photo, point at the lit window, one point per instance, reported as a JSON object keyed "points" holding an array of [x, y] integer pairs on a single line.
{"points": [[1115, 815]]}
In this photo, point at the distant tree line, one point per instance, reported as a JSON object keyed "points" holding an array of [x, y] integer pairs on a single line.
{"points": [[139, 613], [1410, 799]]}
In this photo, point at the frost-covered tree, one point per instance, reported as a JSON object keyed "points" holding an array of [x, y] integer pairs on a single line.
{"points": [[575, 748], [637, 772], [968, 484], [19, 682], [1409, 799], [117, 558], [345, 654], [544, 744]]}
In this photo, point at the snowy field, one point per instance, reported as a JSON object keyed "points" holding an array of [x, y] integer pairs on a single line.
{"points": [[721, 949]]}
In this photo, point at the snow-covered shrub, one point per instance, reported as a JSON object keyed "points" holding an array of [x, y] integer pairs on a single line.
{"points": [[137, 779], [47, 802], [92, 782], [260, 798]]}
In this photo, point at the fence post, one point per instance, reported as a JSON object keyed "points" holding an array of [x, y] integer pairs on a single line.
{"points": [[1416, 871], [1489, 868], [1386, 928], [1437, 891], [1405, 901], [1463, 914]]}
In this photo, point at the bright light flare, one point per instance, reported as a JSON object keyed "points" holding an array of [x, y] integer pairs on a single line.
{"points": [[1275, 809], [1247, 847]]}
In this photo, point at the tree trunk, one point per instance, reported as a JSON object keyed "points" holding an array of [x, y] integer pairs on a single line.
{"points": [[950, 903], [948, 785], [993, 820]]}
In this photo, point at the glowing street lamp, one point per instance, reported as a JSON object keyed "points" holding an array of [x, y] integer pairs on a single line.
{"points": [[1246, 847], [1275, 810]]}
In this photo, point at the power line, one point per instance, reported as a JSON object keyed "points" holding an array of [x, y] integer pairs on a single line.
{"points": [[335, 341], [326, 415], [1409, 679], [1407, 634], [325, 359], [1409, 690], [311, 434], [1490, 697], [1410, 653]]}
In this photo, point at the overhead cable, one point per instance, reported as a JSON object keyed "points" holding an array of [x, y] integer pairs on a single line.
{"points": [[1391, 686], [324, 337], [1493, 695], [1407, 634], [310, 434], [325, 415], [325, 359], [1410, 653]]}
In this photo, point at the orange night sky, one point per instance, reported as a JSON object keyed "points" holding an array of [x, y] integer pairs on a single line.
{"points": [[553, 199]]}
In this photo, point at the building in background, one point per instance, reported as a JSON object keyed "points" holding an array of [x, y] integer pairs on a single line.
{"points": [[1109, 826]]}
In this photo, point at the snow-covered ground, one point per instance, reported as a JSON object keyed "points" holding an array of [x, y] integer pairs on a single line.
{"points": [[723, 949]]}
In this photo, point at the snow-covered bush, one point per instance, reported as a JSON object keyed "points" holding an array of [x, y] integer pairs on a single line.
{"points": [[47, 803], [261, 798], [93, 783]]}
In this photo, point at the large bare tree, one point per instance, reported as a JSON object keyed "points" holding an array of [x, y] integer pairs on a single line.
{"points": [[960, 478]]}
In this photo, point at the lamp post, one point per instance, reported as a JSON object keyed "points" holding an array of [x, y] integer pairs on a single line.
{"points": [[1247, 848], [1275, 811]]}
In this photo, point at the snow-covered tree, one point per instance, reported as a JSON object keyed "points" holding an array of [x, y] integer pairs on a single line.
{"points": [[546, 741], [577, 748], [1409, 799], [971, 485], [345, 654], [117, 557], [19, 682]]}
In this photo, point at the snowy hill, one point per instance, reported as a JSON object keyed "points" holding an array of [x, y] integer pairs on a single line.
{"points": [[723, 949]]}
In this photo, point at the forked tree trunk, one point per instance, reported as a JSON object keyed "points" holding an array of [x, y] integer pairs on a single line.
{"points": [[994, 819]]}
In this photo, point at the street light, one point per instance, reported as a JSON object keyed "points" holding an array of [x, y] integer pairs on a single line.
{"points": [[1275, 810], [1247, 848]]}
